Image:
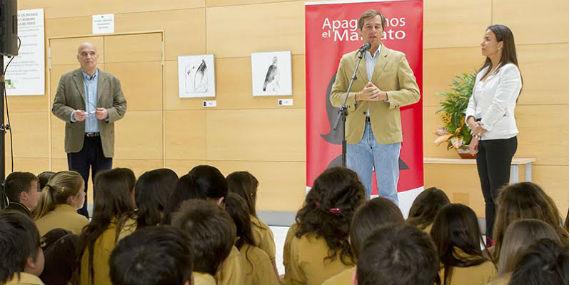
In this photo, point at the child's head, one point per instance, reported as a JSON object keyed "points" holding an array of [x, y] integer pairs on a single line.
{"points": [[426, 206], [543, 263], [65, 187], [373, 214], [237, 209], [23, 188], [244, 184], [397, 255], [20, 249], [114, 193], [44, 177], [152, 192], [211, 231], [157, 255]]}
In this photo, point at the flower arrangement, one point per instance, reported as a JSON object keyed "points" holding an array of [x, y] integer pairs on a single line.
{"points": [[452, 113]]}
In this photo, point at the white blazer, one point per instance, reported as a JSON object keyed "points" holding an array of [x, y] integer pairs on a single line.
{"points": [[493, 102]]}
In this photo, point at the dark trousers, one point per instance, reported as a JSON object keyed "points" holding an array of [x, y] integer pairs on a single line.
{"points": [[494, 167], [89, 157]]}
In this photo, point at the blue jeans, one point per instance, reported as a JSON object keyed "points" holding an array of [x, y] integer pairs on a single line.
{"points": [[366, 154]]}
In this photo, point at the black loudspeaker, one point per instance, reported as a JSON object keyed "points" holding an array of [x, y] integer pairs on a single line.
{"points": [[9, 27]]}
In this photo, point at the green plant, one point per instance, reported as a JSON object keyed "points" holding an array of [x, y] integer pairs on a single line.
{"points": [[452, 112]]}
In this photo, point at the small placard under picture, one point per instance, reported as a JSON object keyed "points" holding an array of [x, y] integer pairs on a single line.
{"points": [[271, 73]]}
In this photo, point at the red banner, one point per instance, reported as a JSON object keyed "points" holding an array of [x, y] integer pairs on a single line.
{"points": [[330, 31]]}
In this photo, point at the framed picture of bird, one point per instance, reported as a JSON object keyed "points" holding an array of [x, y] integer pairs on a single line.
{"points": [[196, 77], [271, 73]]}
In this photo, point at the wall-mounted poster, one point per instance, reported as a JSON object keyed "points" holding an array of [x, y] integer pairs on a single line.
{"points": [[196, 76], [271, 73]]}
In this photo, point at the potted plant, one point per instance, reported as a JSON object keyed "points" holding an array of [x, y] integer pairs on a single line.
{"points": [[452, 114]]}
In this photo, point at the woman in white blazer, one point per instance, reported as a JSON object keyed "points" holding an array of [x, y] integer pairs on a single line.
{"points": [[491, 115]]}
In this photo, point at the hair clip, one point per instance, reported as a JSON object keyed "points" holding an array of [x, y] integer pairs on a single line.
{"points": [[335, 211]]}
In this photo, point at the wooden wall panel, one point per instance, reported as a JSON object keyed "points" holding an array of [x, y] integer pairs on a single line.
{"points": [[139, 166], [234, 87], [545, 73], [141, 83], [184, 30], [264, 135], [278, 182], [237, 31], [30, 133], [185, 134], [456, 23], [35, 165], [64, 51], [441, 65], [139, 136], [65, 8], [554, 181], [34, 103], [133, 48], [57, 137], [183, 166], [66, 27], [533, 22], [219, 3]]}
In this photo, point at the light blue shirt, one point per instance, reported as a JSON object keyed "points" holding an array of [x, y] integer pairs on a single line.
{"points": [[90, 89], [371, 61]]}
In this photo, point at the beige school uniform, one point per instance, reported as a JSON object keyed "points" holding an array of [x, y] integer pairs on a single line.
{"points": [[203, 279], [501, 280], [304, 260], [263, 236], [103, 247], [257, 267], [344, 278], [63, 216], [25, 279], [231, 271], [473, 275]]}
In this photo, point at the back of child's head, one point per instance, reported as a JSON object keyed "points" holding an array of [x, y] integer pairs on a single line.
{"points": [[244, 184], [397, 255], [44, 177], [519, 236], [524, 200], [60, 251], [425, 207], [158, 255], [19, 246], [211, 231], [543, 263], [237, 209], [373, 214], [202, 182], [113, 192], [16, 183], [152, 193], [58, 190]]}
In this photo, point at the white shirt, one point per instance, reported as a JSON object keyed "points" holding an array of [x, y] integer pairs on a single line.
{"points": [[494, 100]]}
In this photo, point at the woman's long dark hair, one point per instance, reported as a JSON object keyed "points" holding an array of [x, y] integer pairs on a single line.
{"points": [[237, 208], [153, 190], [329, 208], [425, 207], [456, 227], [113, 191]]}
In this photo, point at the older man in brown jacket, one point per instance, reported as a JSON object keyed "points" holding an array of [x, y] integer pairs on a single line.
{"points": [[89, 101]]}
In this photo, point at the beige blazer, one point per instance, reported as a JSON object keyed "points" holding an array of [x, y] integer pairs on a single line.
{"points": [[70, 96], [393, 74]]}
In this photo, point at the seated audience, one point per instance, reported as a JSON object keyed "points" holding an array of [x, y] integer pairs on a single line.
{"points": [[158, 255], [152, 192], [60, 251], [397, 255], [543, 263], [425, 207], [44, 177], [245, 185], [317, 247], [212, 234], [458, 240], [63, 196], [257, 267], [519, 236], [113, 219], [524, 200], [22, 191], [21, 257], [372, 215]]}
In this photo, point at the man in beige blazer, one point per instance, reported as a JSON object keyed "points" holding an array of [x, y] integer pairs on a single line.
{"points": [[385, 82], [89, 101]]}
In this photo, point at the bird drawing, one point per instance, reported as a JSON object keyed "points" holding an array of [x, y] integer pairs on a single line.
{"points": [[271, 83]]}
